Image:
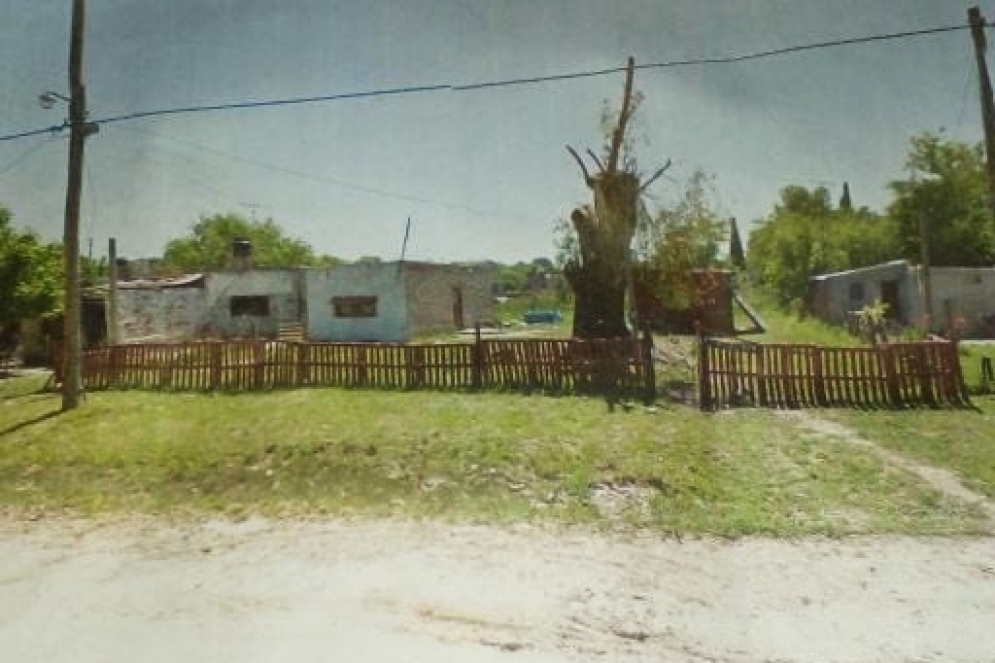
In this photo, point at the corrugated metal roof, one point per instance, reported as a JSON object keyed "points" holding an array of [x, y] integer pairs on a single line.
{"points": [[185, 281], [861, 270]]}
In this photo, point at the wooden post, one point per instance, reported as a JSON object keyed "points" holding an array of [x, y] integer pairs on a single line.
{"points": [[818, 371], [215, 365], [112, 325], [704, 385], [478, 358], [925, 375], [977, 22], [886, 355], [302, 364], [649, 369]]}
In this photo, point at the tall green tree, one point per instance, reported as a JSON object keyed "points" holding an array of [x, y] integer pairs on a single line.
{"points": [[737, 255], [30, 274], [805, 236], [944, 186], [678, 239], [209, 245]]}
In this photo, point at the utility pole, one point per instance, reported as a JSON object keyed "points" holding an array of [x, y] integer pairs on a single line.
{"points": [[72, 385], [977, 22], [112, 333], [927, 281]]}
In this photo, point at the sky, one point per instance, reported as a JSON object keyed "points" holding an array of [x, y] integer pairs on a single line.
{"points": [[483, 173]]}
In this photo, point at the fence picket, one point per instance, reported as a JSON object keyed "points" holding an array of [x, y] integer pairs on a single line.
{"points": [[786, 375]]}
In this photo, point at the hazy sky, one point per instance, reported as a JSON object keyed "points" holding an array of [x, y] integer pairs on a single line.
{"points": [[482, 174]]}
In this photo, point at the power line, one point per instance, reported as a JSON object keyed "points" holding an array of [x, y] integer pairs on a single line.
{"points": [[805, 47], [25, 155], [530, 80], [325, 179]]}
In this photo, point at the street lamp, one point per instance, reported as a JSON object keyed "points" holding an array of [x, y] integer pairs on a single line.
{"points": [[48, 98]]}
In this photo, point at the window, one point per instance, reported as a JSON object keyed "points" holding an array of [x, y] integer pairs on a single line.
{"points": [[857, 292], [355, 307], [254, 305]]}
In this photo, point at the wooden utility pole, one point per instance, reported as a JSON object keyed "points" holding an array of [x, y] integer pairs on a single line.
{"points": [[977, 22], [927, 280], [112, 334], [72, 385]]}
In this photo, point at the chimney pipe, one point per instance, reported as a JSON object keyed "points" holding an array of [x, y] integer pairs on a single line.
{"points": [[241, 253]]}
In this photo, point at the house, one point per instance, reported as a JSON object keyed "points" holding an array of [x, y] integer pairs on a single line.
{"points": [[161, 310], [246, 303], [963, 297], [366, 301], [395, 301], [252, 302]]}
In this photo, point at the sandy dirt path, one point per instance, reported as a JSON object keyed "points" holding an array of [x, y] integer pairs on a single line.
{"points": [[142, 590]]}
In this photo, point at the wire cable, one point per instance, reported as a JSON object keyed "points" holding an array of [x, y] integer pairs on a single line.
{"points": [[531, 80], [25, 155]]}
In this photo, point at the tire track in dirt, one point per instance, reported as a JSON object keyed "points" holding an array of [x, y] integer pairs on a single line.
{"points": [[944, 481]]}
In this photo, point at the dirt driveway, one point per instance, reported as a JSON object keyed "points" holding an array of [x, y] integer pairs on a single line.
{"points": [[262, 590]]}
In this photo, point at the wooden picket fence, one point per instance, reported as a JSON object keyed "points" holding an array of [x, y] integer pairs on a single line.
{"points": [[893, 375], [614, 367]]}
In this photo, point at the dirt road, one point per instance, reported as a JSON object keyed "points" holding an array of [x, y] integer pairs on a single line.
{"points": [[374, 591]]}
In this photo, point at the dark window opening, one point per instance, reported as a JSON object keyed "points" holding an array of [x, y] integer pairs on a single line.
{"points": [[254, 305], [355, 307], [857, 292]]}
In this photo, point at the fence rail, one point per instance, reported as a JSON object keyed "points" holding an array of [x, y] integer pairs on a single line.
{"points": [[784, 375], [619, 367]]}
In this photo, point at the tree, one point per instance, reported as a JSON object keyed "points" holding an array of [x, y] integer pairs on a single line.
{"points": [[805, 236], [600, 269], [737, 256], [678, 240], [209, 246], [846, 204], [30, 274], [946, 188]]}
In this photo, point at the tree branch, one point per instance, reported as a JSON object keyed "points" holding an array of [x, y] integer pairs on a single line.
{"points": [[619, 134], [656, 176], [595, 159], [580, 162]]}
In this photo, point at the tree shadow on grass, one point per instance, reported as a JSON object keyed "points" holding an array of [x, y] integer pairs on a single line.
{"points": [[29, 422]]}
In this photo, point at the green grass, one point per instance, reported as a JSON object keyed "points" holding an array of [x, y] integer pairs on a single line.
{"points": [[784, 326], [962, 441], [970, 361], [489, 457]]}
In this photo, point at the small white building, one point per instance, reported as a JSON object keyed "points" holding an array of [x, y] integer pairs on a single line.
{"points": [[395, 301], [963, 297], [353, 302]]}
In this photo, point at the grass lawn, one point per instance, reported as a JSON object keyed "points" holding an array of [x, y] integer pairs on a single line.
{"points": [[490, 457], [962, 441]]}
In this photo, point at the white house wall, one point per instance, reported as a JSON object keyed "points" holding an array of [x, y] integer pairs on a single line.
{"points": [[157, 315], [831, 293], [280, 286], [960, 295], [383, 281]]}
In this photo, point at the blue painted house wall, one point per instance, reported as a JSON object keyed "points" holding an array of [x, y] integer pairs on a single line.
{"points": [[385, 282]]}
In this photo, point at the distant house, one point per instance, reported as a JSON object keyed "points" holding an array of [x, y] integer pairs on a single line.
{"points": [[238, 303], [158, 311], [252, 302], [963, 297], [394, 301], [365, 301]]}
